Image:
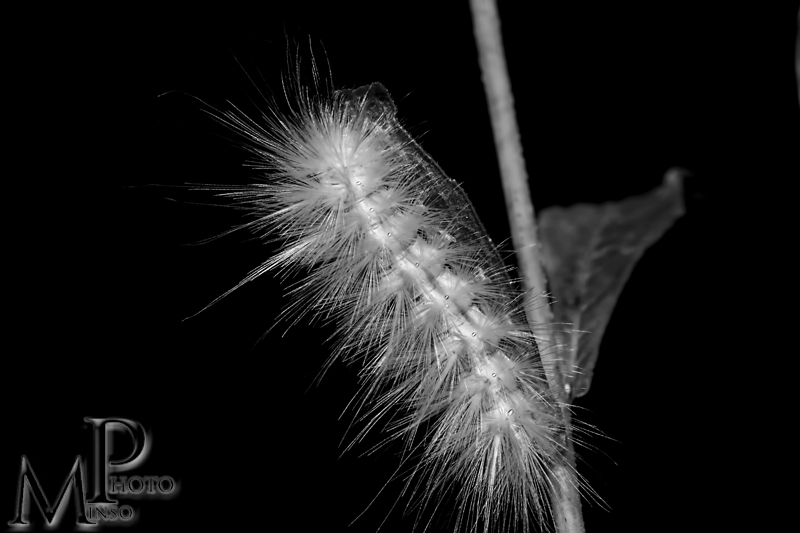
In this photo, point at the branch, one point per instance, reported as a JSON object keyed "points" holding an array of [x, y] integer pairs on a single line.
{"points": [[486, 23]]}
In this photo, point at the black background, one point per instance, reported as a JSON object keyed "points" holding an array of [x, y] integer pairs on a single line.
{"points": [[103, 270]]}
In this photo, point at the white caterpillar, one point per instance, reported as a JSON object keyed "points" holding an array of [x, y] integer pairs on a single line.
{"points": [[394, 253]]}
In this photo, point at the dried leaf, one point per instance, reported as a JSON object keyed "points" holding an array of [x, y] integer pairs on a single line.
{"points": [[589, 252]]}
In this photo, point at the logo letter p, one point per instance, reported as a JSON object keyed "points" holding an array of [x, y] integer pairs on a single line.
{"points": [[104, 446]]}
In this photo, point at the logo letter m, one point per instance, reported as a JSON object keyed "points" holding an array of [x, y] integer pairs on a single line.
{"points": [[28, 486]]}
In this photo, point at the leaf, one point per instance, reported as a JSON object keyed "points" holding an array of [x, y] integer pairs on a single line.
{"points": [[589, 251]]}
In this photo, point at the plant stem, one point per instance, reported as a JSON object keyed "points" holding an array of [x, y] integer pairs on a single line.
{"points": [[486, 25]]}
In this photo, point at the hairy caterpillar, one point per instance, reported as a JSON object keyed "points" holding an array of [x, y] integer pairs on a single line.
{"points": [[394, 254]]}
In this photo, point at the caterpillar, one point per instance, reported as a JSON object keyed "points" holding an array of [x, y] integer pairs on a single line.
{"points": [[389, 249]]}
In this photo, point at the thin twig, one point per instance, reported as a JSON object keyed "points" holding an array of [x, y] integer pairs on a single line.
{"points": [[486, 22], [509, 155]]}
